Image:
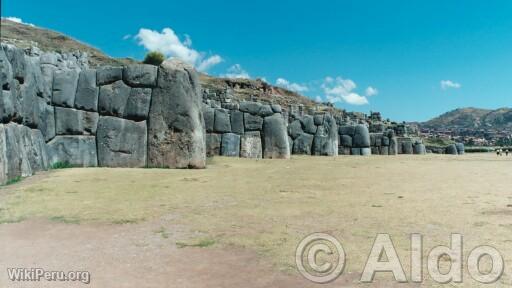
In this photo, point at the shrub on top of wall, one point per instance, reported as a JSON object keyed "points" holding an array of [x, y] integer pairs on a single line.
{"points": [[154, 58]]}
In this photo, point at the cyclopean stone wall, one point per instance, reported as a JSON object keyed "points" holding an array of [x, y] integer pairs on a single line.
{"points": [[54, 108]]}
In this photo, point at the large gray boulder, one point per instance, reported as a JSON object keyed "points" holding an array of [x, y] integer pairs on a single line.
{"points": [[16, 58], [419, 149], [78, 151], [253, 122], [393, 146], [275, 138], [265, 110], [22, 152], [251, 145], [361, 137], [87, 91], [113, 99], [121, 142], [64, 87], [108, 74], [75, 122], [295, 129], [140, 75], [237, 122], [176, 124], [460, 148], [230, 145], [222, 122], [451, 149], [308, 124], [250, 107], [303, 144], [407, 147], [325, 142], [137, 105], [366, 151], [209, 117], [213, 143], [347, 130], [346, 141]]}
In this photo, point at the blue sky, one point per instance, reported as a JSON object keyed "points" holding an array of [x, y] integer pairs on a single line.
{"points": [[334, 50]]}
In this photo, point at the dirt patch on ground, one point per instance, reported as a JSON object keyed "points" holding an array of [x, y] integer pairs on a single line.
{"points": [[240, 220]]}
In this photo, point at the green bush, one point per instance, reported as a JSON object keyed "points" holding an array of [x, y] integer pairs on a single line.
{"points": [[154, 58]]}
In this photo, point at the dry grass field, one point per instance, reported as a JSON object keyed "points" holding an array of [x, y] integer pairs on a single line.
{"points": [[238, 222]]}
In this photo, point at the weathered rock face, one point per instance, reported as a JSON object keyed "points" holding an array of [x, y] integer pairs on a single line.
{"points": [[22, 152], [75, 122], [209, 118], [213, 143], [140, 75], [451, 149], [64, 88], [222, 121], [251, 145], [87, 91], [237, 122], [325, 142], [252, 122], [303, 144], [295, 129], [121, 143], [78, 151], [230, 145], [460, 148], [107, 75], [113, 99], [176, 125], [419, 149], [137, 105], [361, 137], [275, 138]]}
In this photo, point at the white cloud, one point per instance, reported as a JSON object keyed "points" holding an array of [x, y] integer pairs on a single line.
{"points": [[209, 62], [342, 90], [318, 99], [281, 82], [447, 84], [127, 36], [168, 43], [370, 91], [236, 71], [18, 20]]}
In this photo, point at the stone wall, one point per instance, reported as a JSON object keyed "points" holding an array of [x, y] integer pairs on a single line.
{"points": [[54, 109]]}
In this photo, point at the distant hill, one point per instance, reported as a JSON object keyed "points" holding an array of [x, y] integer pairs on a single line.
{"points": [[472, 118]]}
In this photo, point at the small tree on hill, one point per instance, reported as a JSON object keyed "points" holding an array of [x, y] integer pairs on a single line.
{"points": [[154, 58]]}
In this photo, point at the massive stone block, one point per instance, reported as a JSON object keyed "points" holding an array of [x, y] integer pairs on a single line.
{"points": [[303, 144], [209, 117], [346, 140], [419, 149], [326, 138], [213, 143], [121, 142], [275, 138], [75, 122], [230, 145], [347, 130], [237, 122], [137, 105], [318, 119], [113, 99], [176, 124], [407, 147], [308, 124], [222, 122], [64, 87], [265, 110], [252, 122], [251, 145], [140, 75], [295, 129], [451, 149], [393, 146], [107, 75], [22, 152], [16, 57], [87, 91], [366, 151], [460, 148], [78, 151], [361, 137], [250, 107]]}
